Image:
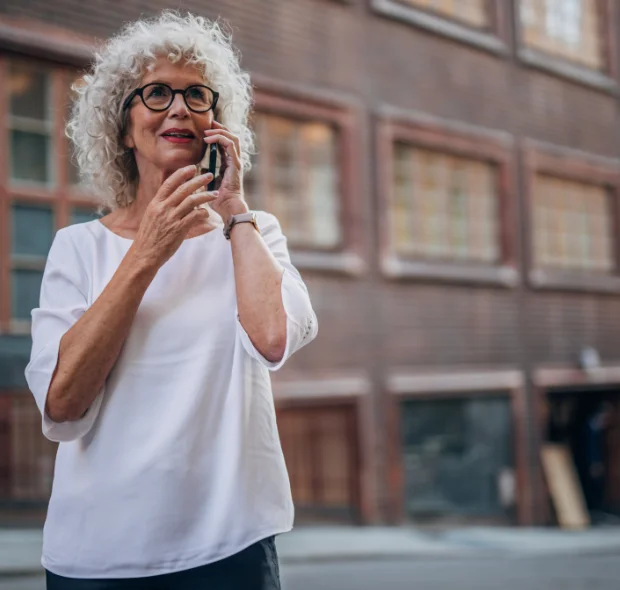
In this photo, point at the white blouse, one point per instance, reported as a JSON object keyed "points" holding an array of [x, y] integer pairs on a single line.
{"points": [[177, 463]]}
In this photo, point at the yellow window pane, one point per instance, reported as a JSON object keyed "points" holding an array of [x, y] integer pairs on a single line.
{"points": [[470, 12], [564, 28], [572, 225], [444, 207], [296, 177]]}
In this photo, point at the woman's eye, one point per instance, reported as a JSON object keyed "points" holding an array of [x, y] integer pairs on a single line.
{"points": [[157, 91], [196, 93]]}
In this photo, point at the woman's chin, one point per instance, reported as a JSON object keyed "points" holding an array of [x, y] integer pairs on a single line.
{"points": [[179, 161]]}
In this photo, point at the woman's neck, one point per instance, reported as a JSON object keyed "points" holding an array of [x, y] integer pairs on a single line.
{"points": [[150, 181]]}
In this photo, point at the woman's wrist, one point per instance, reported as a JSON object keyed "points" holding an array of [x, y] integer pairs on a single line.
{"points": [[142, 266], [237, 207]]}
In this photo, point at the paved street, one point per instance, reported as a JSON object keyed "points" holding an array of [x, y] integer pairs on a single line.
{"points": [[474, 573]]}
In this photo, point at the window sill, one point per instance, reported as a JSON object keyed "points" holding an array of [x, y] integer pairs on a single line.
{"points": [[574, 281], [440, 25], [348, 263], [566, 69], [499, 276], [19, 328]]}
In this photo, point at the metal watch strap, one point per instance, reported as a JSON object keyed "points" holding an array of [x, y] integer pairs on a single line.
{"points": [[233, 220]]}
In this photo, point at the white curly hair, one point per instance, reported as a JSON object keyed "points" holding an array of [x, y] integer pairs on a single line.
{"points": [[96, 124]]}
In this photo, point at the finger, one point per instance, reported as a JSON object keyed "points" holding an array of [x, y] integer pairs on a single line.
{"points": [[228, 144], [199, 182], [195, 200], [224, 131], [175, 180]]}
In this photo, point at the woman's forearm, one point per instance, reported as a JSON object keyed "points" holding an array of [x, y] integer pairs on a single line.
{"points": [[92, 345], [258, 279]]}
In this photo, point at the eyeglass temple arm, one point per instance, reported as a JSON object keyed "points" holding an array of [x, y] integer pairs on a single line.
{"points": [[130, 98]]}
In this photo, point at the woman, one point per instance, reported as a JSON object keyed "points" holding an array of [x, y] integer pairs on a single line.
{"points": [[155, 333]]}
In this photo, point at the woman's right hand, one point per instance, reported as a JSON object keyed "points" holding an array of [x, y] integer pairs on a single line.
{"points": [[172, 214]]}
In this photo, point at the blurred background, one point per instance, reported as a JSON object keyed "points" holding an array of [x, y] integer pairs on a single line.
{"points": [[447, 174]]}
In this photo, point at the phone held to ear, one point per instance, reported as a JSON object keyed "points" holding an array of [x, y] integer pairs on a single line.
{"points": [[212, 164], [209, 164]]}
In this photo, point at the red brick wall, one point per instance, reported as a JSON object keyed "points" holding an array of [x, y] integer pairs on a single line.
{"points": [[345, 48]]}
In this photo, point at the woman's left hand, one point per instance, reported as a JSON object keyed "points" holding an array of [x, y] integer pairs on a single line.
{"points": [[229, 183]]}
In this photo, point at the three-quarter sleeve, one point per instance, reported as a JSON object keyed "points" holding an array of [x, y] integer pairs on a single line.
{"points": [[301, 322], [63, 300]]}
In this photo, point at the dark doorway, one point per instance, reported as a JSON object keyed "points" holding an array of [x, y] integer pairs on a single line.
{"points": [[588, 423]]}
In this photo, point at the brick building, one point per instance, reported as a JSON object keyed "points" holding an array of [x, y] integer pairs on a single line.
{"points": [[447, 172]]}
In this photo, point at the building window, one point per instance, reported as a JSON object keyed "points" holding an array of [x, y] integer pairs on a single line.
{"points": [[445, 206], [30, 123], [569, 29], [470, 12], [32, 232], [572, 225], [457, 456], [296, 177], [38, 184]]}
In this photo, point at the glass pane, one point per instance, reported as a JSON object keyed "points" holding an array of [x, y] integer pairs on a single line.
{"points": [[82, 215], [471, 12], [29, 91], [444, 206], [30, 158], [32, 230], [296, 176], [572, 225], [566, 28], [456, 454], [26, 286], [321, 185]]}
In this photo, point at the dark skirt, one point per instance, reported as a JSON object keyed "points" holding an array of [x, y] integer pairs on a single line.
{"points": [[254, 568]]}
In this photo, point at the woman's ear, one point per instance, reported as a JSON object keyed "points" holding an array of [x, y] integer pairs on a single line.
{"points": [[128, 141]]}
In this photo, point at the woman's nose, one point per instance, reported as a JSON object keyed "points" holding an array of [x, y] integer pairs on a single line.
{"points": [[178, 107]]}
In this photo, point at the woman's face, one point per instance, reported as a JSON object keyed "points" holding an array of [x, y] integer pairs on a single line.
{"points": [[148, 132]]}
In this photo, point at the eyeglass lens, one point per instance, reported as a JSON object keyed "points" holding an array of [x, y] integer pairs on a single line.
{"points": [[159, 97]]}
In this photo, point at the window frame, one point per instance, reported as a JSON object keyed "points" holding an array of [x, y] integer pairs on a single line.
{"points": [[459, 383], [569, 164], [273, 98], [354, 388], [59, 196], [605, 79], [461, 140], [494, 40]]}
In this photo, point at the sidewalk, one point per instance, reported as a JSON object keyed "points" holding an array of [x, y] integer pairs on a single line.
{"points": [[20, 549]]}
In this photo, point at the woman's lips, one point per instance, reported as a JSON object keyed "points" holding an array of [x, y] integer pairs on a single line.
{"points": [[176, 139]]}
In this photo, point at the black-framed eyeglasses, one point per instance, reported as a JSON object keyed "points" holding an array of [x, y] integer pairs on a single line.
{"points": [[158, 97]]}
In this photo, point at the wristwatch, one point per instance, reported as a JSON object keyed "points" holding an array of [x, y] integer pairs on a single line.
{"points": [[233, 220]]}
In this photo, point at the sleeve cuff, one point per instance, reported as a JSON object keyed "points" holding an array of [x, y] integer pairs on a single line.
{"points": [[301, 323]]}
